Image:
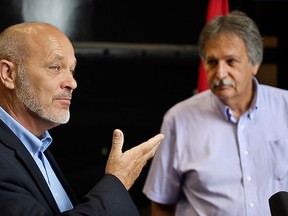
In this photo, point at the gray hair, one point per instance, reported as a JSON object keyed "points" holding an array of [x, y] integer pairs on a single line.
{"points": [[14, 45], [237, 22]]}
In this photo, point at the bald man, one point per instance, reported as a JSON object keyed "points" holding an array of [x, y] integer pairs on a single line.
{"points": [[37, 64]]}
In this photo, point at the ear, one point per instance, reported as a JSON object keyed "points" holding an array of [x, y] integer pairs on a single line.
{"points": [[255, 69], [7, 73]]}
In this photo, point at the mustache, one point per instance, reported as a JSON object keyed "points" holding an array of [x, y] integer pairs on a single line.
{"points": [[223, 82], [66, 94]]}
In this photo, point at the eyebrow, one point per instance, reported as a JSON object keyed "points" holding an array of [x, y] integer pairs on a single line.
{"points": [[55, 57]]}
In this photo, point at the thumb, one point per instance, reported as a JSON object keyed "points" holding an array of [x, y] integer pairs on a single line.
{"points": [[117, 142]]}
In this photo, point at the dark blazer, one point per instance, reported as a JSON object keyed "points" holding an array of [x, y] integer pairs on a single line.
{"points": [[24, 191]]}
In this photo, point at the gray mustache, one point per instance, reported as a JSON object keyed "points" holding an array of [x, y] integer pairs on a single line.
{"points": [[223, 82]]}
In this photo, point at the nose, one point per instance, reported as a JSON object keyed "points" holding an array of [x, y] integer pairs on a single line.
{"points": [[70, 82], [221, 70]]}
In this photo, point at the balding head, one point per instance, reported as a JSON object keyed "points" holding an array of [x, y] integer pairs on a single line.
{"points": [[15, 41]]}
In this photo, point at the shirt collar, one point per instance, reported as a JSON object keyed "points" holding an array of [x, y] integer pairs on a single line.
{"points": [[30, 141], [226, 110]]}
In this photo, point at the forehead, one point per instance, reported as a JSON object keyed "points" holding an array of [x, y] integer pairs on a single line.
{"points": [[225, 43], [51, 43]]}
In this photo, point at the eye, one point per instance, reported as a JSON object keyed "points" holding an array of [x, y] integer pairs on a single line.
{"points": [[211, 62], [231, 62], [54, 67]]}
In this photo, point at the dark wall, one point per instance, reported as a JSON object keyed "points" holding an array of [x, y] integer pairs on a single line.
{"points": [[161, 21]]}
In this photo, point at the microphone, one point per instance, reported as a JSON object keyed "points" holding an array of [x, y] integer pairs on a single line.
{"points": [[278, 204]]}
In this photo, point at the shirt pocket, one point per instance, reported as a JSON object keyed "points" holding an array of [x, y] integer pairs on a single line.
{"points": [[279, 158]]}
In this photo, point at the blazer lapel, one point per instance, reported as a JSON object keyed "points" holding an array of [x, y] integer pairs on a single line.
{"points": [[12, 141], [61, 177]]}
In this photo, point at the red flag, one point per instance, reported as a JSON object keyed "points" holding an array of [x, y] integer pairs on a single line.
{"points": [[215, 8]]}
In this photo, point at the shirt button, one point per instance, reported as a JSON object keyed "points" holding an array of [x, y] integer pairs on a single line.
{"points": [[246, 152], [251, 204], [242, 127], [249, 178]]}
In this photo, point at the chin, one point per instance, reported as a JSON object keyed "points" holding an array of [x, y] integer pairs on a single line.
{"points": [[59, 119], [223, 94]]}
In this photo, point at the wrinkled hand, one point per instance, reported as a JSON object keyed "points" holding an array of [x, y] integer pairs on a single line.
{"points": [[128, 165]]}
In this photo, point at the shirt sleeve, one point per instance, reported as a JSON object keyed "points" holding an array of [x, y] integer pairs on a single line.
{"points": [[163, 183]]}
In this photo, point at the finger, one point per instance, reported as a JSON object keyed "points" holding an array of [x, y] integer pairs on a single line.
{"points": [[152, 144], [158, 138], [117, 141]]}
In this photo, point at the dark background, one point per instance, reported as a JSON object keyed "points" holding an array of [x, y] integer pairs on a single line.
{"points": [[135, 60]]}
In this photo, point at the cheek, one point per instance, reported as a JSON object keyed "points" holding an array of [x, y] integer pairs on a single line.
{"points": [[210, 75], [44, 92]]}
